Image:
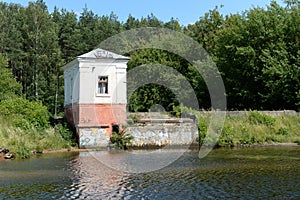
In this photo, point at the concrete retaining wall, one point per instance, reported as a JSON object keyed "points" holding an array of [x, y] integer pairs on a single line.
{"points": [[162, 134]]}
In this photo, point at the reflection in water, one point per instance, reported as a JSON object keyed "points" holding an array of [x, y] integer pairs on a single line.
{"points": [[250, 173], [92, 178], [138, 161]]}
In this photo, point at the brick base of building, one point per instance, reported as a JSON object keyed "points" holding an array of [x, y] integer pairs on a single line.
{"points": [[94, 123]]}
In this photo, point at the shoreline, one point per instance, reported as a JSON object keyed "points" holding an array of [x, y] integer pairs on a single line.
{"points": [[66, 150], [284, 144]]}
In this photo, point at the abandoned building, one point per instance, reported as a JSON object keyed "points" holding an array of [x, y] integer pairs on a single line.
{"points": [[95, 95]]}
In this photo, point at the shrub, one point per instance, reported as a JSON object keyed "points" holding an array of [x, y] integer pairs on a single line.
{"points": [[282, 131], [258, 118], [66, 133], [121, 140], [247, 139], [227, 136], [20, 122], [202, 129], [25, 112]]}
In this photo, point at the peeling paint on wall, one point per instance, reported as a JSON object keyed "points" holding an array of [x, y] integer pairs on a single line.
{"points": [[93, 137]]}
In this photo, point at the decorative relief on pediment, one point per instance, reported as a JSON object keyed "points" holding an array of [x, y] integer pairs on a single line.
{"points": [[100, 53]]}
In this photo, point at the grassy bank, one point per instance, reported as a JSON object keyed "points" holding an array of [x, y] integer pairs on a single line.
{"points": [[252, 127], [249, 129], [24, 142]]}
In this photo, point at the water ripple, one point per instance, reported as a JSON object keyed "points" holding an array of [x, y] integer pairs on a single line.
{"points": [[224, 174]]}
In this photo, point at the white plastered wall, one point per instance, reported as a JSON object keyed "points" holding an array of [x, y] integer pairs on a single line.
{"points": [[71, 83], [89, 73]]}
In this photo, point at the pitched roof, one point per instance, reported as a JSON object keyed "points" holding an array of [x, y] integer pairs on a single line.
{"points": [[102, 54]]}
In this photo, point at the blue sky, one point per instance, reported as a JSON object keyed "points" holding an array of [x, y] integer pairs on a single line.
{"points": [[186, 11]]}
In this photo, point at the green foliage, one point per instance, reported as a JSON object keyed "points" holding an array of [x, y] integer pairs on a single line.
{"points": [[9, 88], [247, 129], [121, 140], [247, 139], [20, 122], [66, 133], [153, 62], [227, 136], [258, 118], [25, 114], [204, 30], [257, 53], [22, 152], [202, 129], [282, 131], [23, 142]]}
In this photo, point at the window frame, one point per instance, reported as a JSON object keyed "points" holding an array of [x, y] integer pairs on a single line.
{"points": [[107, 86]]}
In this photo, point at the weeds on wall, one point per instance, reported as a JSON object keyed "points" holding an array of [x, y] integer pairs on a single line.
{"points": [[122, 139]]}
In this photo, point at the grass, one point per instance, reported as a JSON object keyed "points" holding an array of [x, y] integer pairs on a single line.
{"points": [[251, 128], [247, 129], [23, 142]]}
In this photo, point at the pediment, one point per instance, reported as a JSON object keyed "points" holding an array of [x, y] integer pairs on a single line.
{"points": [[102, 54]]}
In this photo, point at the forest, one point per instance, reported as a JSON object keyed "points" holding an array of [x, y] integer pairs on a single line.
{"points": [[257, 53]]}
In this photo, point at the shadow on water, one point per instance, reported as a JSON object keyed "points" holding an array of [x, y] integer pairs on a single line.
{"points": [[248, 173]]}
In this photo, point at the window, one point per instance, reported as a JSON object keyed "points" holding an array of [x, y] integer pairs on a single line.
{"points": [[102, 85]]}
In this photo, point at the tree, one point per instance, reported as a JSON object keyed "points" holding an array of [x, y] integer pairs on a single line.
{"points": [[131, 23], [173, 24], [108, 26], [151, 21], [9, 87], [89, 27], [256, 53], [42, 55], [205, 28], [69, 35]]}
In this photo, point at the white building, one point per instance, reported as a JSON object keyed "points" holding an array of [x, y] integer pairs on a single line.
{"points": [[95, 95]]}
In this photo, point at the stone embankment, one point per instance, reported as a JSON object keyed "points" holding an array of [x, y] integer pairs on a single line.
{"points": [[156, 129]]}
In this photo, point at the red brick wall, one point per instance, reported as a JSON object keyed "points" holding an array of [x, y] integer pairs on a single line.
{"points": [[85, 115]]}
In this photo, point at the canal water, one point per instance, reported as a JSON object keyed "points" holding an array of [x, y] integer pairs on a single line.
{"points": [[239, 173]]}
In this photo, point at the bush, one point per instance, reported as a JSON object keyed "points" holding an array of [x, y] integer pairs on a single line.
{"points": [[20, 122], [282, 131], [121, 140], [257, 118], [227, 136], [25, 112], [202, 129], [66, 133]]}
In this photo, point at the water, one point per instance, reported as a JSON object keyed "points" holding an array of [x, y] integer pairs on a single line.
{"points": [[244, 173]]}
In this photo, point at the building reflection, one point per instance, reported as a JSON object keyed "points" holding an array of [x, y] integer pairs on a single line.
{"points": [[92, 178]]}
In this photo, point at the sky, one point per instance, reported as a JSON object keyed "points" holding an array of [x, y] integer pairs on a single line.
{"points": [[185, 11]]}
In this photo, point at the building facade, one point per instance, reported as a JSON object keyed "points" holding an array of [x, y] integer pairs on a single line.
{"points": [[96, 96]]}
